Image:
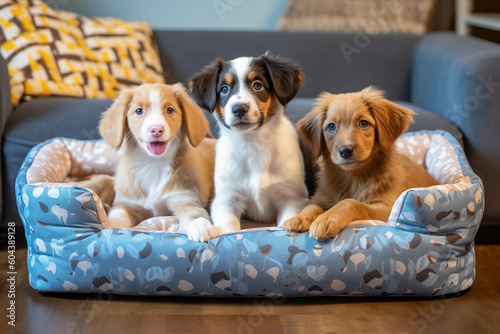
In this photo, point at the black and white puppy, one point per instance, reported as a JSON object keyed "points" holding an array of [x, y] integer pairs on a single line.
{"points": [[259, 172]]}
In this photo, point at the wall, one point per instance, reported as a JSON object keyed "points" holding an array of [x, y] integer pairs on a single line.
{"points": [[185, 14]]}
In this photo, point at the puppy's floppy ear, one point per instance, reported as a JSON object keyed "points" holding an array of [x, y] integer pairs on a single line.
{"points": [[194, 120], [203, 85], [311, 126], [392, 119], [285, 76], [113, 124]]}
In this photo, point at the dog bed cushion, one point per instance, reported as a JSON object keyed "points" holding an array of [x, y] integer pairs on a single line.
{"points": [[426, 247]]}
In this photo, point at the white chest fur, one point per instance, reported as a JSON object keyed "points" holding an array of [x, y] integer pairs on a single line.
{"points": [[151, 176], [257, 173]]}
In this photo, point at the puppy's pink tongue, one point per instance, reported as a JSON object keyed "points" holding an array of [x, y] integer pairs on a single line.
{"points": [[157, 147]]}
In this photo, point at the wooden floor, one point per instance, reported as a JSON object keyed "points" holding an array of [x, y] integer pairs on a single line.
{"points": [[476, 311]]}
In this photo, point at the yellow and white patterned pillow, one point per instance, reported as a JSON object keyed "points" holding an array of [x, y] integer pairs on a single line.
{"points": [[56, 53]]}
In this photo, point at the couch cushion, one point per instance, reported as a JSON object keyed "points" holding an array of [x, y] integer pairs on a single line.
{"points": [[383, 60]]}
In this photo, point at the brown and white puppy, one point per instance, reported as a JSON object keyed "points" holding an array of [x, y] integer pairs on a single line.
{"points": [[167, 163], [361, 175], [259, 172]]}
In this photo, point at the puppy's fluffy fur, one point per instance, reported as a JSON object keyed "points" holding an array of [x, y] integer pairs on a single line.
{"points": [[361, 175], [102, 185], [259, 171], [167, 164]]}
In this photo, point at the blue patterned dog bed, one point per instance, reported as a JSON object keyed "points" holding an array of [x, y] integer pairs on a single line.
{"points": [[425, 248]]}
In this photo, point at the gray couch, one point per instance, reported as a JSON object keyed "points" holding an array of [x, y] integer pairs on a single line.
{"points": [[453, 83]]}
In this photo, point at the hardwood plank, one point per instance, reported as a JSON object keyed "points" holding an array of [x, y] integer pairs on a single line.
{"points": [[183, 324]]}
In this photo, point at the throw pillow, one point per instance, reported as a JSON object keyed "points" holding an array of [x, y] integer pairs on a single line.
{"points": [[367, 16], [57, 53]]}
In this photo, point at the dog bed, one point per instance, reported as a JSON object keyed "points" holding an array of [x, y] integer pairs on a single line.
{"points": [[426, 248]]}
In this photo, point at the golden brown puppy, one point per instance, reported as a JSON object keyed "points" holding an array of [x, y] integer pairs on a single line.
{"points": [[361, 175], [167, 164]]}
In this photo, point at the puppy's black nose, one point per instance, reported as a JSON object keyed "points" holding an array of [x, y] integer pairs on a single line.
{"points": [[346, 152], [239, 110]]}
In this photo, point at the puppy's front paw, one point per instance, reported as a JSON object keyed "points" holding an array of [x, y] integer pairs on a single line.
{"points": [[325, 226], [300, 223], [201, 230]]}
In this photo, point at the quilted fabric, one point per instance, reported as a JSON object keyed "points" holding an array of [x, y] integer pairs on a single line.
{"points": [[56, 53], [425, 248]]}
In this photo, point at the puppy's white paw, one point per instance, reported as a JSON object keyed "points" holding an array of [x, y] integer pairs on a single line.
{"points": [[201, 230]]}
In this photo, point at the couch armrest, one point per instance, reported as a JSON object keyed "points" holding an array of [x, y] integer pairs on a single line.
{"points": [[459, 79]]}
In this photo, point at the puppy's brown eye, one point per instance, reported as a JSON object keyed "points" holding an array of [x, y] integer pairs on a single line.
{"points": [[363, 124], [257, 85], [331, 127], [170, 110], [139, 111]]}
